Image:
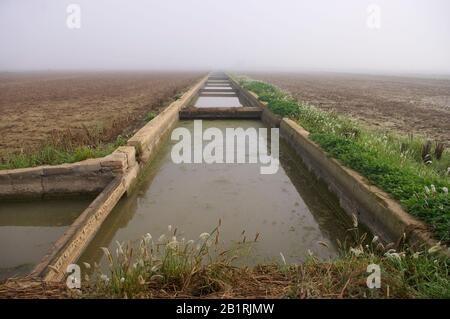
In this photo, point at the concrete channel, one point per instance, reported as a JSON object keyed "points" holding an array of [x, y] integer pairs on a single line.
{"points": [[308, 201], [292, 211]]}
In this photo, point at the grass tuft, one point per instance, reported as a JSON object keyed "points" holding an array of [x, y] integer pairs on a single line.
{"points": [[169, 267], [150, 116], [51, 154], [169, 263]]}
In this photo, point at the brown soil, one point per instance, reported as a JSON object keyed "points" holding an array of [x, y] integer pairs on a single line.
{"points": [[405, 104], [34, 106]]}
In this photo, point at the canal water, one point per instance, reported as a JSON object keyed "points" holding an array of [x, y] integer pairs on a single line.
{"points": [[28, 230], [293, 213], [212, 101]]}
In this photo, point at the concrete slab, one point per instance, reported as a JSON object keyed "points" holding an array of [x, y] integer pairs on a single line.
{"points": [[221, 113]]}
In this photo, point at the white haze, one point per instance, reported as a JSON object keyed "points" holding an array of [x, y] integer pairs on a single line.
{"points": [[286, 35]]}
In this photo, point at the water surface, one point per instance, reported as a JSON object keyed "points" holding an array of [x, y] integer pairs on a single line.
{"points": [[213, 101], [28, 230], [292, 211]]}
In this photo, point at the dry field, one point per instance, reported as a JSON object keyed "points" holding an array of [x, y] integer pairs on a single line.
{"points": [[36, 106], [416, 105]]}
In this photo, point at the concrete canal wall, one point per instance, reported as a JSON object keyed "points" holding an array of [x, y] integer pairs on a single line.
{"points": [[221, 113], [125, 164], [148, 138], [87, 177], [357, 196], [372, 206]]}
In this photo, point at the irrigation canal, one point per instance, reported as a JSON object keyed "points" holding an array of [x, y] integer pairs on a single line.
{"points": [[292, 211]]}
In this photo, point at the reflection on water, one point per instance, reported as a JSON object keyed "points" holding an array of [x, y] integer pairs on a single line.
{"points": [[28, 229], [212, 88], [290, 210], [213, 101]]}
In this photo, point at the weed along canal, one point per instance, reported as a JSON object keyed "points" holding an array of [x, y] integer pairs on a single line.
{"points": [[289, 212]]}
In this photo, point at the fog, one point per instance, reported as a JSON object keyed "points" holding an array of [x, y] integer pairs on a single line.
{"points": [[288, 35]]}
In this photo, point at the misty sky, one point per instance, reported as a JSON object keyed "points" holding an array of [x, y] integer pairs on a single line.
{"points": [[288, 35]]}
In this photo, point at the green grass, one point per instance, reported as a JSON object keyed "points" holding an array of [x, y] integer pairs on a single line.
{"points": [[56, 154], [404, 274], [390, 161], [150, 116]]}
